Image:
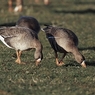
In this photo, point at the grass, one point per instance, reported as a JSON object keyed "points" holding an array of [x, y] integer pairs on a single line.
{"points": [[48, 79]]}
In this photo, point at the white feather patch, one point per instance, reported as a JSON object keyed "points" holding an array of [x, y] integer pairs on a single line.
{"points": [[38, 60], [2, 39]]}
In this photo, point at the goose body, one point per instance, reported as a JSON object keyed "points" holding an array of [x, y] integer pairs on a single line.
{"points": [[30, 22], [63, 40], [21, 39]]}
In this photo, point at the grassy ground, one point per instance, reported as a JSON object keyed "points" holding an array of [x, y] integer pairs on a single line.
{"points": [[48, 79]]}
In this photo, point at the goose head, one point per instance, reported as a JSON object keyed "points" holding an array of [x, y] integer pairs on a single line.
{"points": [[47, 29], [80, 59]]}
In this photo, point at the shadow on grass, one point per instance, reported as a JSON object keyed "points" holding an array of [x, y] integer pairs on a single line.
{"points": [[87, 48], [92, 63], [14, 23], [71, 65], [85, 3], [76, 11], [8, 24]]}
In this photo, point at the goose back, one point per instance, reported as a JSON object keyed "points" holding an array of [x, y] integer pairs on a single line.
{"points": [[19, 37]]}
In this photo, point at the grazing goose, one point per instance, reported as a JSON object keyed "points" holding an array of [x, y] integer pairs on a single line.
{"points": [[30, 22], [64, 40], [21, 39]]}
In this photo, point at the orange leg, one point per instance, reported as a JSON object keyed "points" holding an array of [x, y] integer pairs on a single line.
{"points": [[56, 56], [10, 5], [46, 2], [18, 52], [59, 63]]}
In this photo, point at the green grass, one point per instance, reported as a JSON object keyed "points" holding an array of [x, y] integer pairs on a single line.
{"points": [[49, 79]]}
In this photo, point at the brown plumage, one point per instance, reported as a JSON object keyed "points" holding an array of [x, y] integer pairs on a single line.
{"points": [[21, 39], [63, 40], [28, 22]]}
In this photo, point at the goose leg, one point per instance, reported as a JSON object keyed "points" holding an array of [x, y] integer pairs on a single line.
{"points": [[56, 58], [57, 61], [61, 61], [18, 52]]}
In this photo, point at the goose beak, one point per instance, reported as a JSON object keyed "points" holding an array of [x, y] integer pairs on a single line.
{"points": [[83, 64]]}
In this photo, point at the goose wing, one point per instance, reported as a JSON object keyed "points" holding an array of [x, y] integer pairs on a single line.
{"points": [[10, 33], [5, 35]]}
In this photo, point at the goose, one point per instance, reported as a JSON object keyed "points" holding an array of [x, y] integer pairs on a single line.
{"points": [[21, 39], [64, 41], [30, 22]]}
